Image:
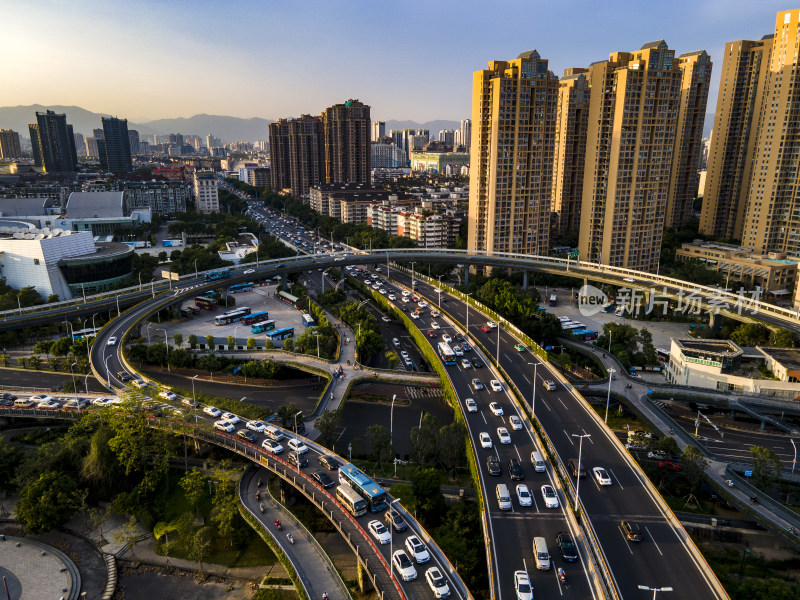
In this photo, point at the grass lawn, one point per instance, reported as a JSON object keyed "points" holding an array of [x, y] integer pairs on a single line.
{"points": [[616, 421]]}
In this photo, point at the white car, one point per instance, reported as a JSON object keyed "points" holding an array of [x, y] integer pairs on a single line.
{"points": [[503, 435], [395, 342], [112, 341], [48, 404], [38, 399], [496, 409], [550, 386], [437, 582], [435, 313], [224, 426], [405, 299], [414, 316], [417, 549], [379, 532], [496, 385], [447, 338], [403, 565], [486, 440], [471, 405], [524, 495], [435, 325], [406, 293], [550, 497], [515, 422], [491, 324], [392, 297], [230, 418], [522, 585], [404, 354], [272, 446], [248, 271], [465, 364], [102, 401], [602, 476], [256, 426], [422, 304], [386, 319], [167, 395], [297, 445], [477, 384], [210, 410]]}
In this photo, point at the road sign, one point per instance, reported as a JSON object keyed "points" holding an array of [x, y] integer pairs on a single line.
{"points": [[748, 473]]}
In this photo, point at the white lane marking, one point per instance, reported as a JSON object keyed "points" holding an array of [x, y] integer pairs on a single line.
{"points": [[569, 437], [654, 542], [616, 478], [518, 454], [525, 378], [625, 539], [484, 418], [562, 404]]}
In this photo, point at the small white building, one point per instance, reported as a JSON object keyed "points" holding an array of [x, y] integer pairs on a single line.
{"points": [[205, 192]]}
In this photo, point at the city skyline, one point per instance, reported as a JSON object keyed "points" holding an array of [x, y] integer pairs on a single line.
{"points": [[143, 61]]}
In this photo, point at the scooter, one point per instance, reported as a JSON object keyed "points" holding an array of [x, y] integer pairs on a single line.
{"points": [[290, 537], [258, 496], [562, 576], [278, 526], [261, 507], [258, 483], [729, 482]]}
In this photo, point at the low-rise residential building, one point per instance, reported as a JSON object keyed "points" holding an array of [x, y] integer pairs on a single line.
{"points": [[724, 366], [384, 175], [161, 197], [348, 202], [245, 243], [429, 230]]}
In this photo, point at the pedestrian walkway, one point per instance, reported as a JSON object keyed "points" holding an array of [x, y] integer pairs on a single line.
{"points": [[313, 566]]}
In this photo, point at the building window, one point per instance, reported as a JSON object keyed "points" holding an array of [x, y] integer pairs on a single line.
{"points": [[36, 261]]}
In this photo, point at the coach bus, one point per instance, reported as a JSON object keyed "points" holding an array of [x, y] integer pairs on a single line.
{"points": [[446, 353], [370, 491], [82, 333], [240, 287], [233, 316], [256, 317], [308, 320], [280, 334], [262, 326], [348, 498], [205, 303], [217, 275]]}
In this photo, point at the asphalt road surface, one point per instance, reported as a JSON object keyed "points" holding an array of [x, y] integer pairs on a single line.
{"points": [[11, 378]]}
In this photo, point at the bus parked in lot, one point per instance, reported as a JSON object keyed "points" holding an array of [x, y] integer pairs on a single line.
{"points": [[281, 334], [205, 302], [240, 287], [232, 316], [308, 320], [256, 317], [262, 326]]}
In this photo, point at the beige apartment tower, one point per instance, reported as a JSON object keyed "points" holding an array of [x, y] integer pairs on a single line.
{"points": [[296, 154], [347, 132], [632, 141], [514, 107], [572, 119], [772, 212], [733, 141]]}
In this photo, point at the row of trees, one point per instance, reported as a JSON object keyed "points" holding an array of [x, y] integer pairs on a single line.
{"points": [[631, 346], [369, 340]]}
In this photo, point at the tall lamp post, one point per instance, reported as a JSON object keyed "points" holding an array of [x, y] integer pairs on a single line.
{"points": [[466, 302], [608, 398], [580, 448], [391, 430], [498, 344], [440, 290], [533, 385], [794, 460], [655, 590], [194, 400], [74, 391], [316, 335]]}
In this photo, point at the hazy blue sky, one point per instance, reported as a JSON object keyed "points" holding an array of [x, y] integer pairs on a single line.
{"points": [[408, 59]]}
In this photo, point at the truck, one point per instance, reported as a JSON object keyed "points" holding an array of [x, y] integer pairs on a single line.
{"points": [[553, 299], [138, 244]]}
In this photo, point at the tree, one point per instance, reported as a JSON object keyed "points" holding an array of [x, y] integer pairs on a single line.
{"points": [[750, 334], [98, 518], [34, 361], [369, 342], [178, 339], [286, 414], [451, 440], [49, 502], [328, 424], [694, 466], [231, 342], [61, 346], [43, 347], [192, 341], [163, 529], [128, 535], [100, 467], [268, 345], [193, 484], [5, 359], [428, 497], [424, 444], [10, 457], [22, 362], [199, 545], [766, 466], [288, 344], [210, 342], [251, 344], [381, 443], [781, 338]]}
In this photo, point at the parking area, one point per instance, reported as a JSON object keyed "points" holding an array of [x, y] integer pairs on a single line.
{"points": [[259, 299]]}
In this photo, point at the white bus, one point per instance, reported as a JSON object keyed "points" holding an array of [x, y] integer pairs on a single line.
{"points": [[351, 500]]}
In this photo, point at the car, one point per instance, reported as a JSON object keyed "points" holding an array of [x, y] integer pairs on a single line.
{"points": [[431, 333], [379, 532], [78, 403], [403, 565], [101, 401], [404, 299], [515, 422], [214, 412], [41, 398], [395, 342], [417, 550], [124, 376], [6, 402], [669, 465], [496, 385], [230, 418], [465, 364], [248, 435], [576, 469], [485, 329], [392, 297], [519, 348], [635, 446], [477, 384], [503, 435], [631, 531], [8, 396], [423, 304], [249, 271], [48, 405], [298, 460], [435, 325], [657, 455], [386, 319], [435, 313], [256, 426], [496, 409], [471, 405], [491, 324], [190, 403], [515, 470], [272, 446], [493, 465], [524, 495], [322, 478], [297, 445], [403, 353], [466, 347], [486, 440], [414, 316], [602, 476], [395, 519], [224, 426], [550, 385], [550, 497], [459, 338], [457, 350], [414, 298], [447, 338], [438, 583], [522, 585], [477, 363], [167, 395], [406, 293], [112, 341], [569, 552]]}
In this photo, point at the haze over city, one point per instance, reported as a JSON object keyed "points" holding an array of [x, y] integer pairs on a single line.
{"points": [[413, 60]]}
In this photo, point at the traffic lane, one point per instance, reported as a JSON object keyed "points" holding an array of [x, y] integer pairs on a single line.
{"points": [[16, 378]]}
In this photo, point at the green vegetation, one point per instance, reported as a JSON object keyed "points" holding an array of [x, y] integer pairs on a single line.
{"points": [[748, 576], [632, 347], [369, 340]]}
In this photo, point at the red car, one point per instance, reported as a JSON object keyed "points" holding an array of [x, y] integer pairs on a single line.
{"points": [[668, 464], [414, 299], [431, 333], [485, 329]]}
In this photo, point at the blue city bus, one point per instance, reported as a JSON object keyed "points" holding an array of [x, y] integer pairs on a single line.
{"points": [[217, 275], [262, 327], [587, 335], [308, 320], [240, 287], [374, 494], [281, 334], [256, 317]]}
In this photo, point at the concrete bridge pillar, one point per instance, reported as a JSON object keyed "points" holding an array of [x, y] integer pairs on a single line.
{"points": [[713, 320], [341, 274], [763, 425], [525, 280], [733, 414]]}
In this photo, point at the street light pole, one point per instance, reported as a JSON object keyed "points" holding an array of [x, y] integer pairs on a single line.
{"points": [[580, 448], [74, 391], [498, 344], [391, 430], [440, 290], [655, 590], [794, 460], [467, 303], [533, 385], [608, 398], [195, 269]]}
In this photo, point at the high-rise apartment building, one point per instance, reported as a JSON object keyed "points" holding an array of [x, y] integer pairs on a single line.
{"points": [[465, 133], [80, 144], [514, 112], [53, 143], [572, 119], [387, 156], [205, 192], [9, 144], [378, 130], [447, 136], [346, 130], [133, 139], [212, 142], [117, 156], [296, 154], [632, 140], [92, 151]]}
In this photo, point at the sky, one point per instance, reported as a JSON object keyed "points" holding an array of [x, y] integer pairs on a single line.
{"points": [[408, 59]]}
